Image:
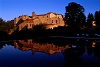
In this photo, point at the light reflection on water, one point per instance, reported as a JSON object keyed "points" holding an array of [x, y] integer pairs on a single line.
{"points": [[52, 53]]}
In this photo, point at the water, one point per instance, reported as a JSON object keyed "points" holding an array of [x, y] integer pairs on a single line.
{"points": [[54, 52]]}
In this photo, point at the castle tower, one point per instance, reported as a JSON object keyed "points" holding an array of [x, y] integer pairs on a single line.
{"points": [[33, 14]]}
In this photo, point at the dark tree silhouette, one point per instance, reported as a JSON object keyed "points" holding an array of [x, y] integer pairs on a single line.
{"points": [[90, 18], [1, 20], [97, 18], [3, 26], [74, 17], [75, 14], [39, 27], [10, 24]]}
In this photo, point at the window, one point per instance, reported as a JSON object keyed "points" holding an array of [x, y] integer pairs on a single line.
{"points": [[56, 21], [47, 16], [30, 25], [30, 42], [52, 21]]}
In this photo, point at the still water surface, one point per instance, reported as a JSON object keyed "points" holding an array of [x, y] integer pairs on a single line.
{"points": [[51, 53]]}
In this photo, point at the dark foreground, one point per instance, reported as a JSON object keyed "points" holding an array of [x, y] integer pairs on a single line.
{"points": [[52, 52]]}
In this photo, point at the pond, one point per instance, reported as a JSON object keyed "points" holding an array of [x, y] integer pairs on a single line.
{"points": [[50, 53]]}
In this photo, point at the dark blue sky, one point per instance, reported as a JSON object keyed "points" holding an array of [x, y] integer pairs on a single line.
{"points": [[9, 9]]}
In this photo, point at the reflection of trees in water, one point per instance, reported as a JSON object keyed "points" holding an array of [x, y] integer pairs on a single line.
{"points": [[93, 47], [97, 50], [6, 42], [72, 56], [2, 44], [89, 48]]}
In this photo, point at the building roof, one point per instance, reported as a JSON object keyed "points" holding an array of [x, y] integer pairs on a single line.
{"points": [[48, 13]]}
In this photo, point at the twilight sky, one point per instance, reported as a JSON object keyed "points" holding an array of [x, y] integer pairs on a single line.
{"points": [[9, 9]]}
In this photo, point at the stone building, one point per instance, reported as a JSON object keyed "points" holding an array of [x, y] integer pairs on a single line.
{"points": [[50, 19]]}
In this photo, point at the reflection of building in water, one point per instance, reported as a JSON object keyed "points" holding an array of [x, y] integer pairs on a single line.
{"points": [[39, 47]]}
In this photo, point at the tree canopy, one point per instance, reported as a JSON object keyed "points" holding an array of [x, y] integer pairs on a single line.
{"points": [[97, 18], [75, 14], [6, 25], [90, 18]]}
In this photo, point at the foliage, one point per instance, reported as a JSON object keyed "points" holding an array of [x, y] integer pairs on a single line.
{"points": [[1, 20], [6, 25], [90, 18], [75, 14], [39, 27], [10, 24], [97, 18], [3, 26]]}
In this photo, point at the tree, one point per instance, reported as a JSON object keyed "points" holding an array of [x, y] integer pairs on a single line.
{"points": [[10, 24], [97, 18], [75, 14], [1, 20], [39, 27], [90, 18], [3, 26]]}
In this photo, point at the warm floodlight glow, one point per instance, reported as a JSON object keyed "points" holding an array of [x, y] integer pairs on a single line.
{"points": [[93, 44], [93, 23]]}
